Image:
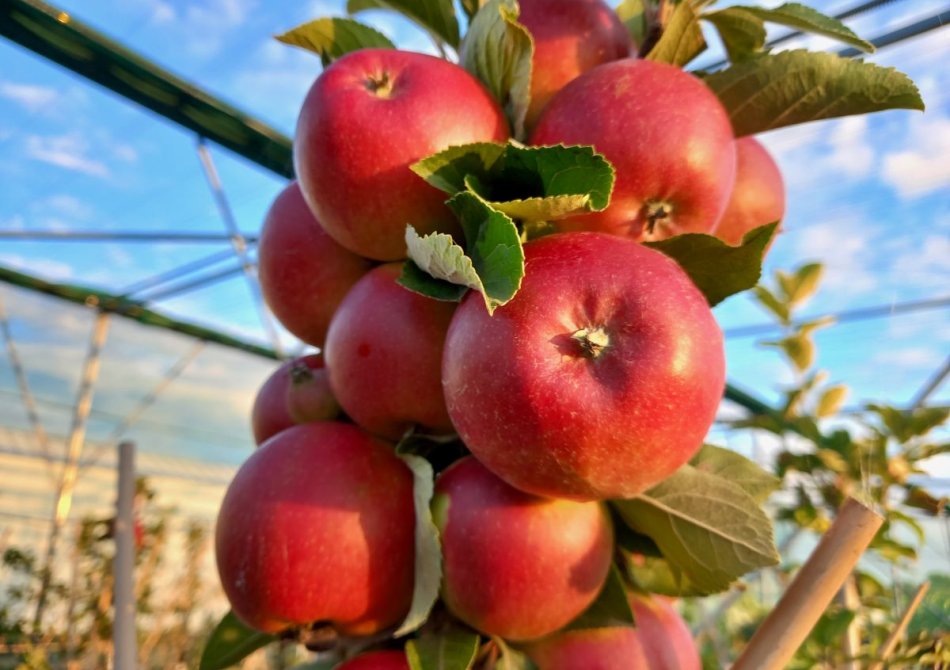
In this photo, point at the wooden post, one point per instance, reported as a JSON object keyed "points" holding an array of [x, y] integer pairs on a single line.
{"points": [[891, 643], [813, 588], [123, 625]]}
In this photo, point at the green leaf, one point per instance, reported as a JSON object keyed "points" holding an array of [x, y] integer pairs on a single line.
{"points": [[419, 281], [682, 38], [632, 15], [437, 17], [495, 247], [511, 659], [802, 284], [806, 19], [494, 265], [719, 270], [778, 307], [798, 348], [707, 527], [526, 183], [610, 609], [744, 473], [907, 424], [773, 91], [498, 50], [831, 400], [742, 33], [331, 38], [470, 7], [909, 521], [230, 642], [656, 575], [449, 649], [428, 571], [447, 169]]}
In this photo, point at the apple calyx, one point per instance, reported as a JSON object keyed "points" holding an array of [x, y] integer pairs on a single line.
{"points": [[592, 341], [379, 84], [300, 373], [656, 213], [319, 636]]}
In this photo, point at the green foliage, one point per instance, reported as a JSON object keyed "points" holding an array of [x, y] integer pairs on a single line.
{"points": [[230, 642], [437, 17], [765, 92], [718, 269], [611, 608], [498, 51], [453, 648], [742, 32], [331, 38], [682, 38]]}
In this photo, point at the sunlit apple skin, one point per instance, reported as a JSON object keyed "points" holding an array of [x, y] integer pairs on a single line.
{"points": [[384, 354], [318, 527], [297, 392], [304, 273], [556, 420], [516, 565], [614, 648], [366, 119], [570, 38], [663, 635], [758, 196], [377, 660], [667, 136]]}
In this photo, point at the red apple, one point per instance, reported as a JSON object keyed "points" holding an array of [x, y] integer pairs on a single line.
{"points": [[665, 133], [516, 565], [663, 634], [570, 38], [758, 196], [377, 660], [384, 354], [366, 119], [297, 392], [614, 648], [304, 274], [599, 379], [317, 527]]}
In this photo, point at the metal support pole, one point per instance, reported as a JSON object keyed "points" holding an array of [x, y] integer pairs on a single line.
{"points": [[932, 385], [123, 627], [239, 244], [42, 439], [77, 434]]}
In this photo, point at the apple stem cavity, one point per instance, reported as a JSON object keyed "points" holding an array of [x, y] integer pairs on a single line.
{"points": [[656, 213], [592, 341], [319, 636], [300, 373], [381, 84]]}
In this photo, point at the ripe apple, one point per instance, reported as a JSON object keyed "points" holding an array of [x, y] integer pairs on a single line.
{"points": [[758, 196], [304, 274], [516, 565], [366, 119], [663, 634], [377, 660], [570, 38], [661, 641], [613, 648], [599, 379], [297, 392], [317, 529], [384, 354], [667, 136]]}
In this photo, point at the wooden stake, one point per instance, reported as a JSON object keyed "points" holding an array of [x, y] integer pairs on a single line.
{"points": [[813, 588], [894, 638]]}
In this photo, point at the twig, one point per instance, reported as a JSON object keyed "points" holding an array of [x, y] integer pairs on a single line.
{"points": [[813, 588], [894, 638]]}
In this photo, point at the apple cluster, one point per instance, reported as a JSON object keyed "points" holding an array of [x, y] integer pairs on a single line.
{"points": [[596, 381]]}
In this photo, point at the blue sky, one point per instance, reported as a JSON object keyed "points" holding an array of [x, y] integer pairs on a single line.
{"points": [[869, 197]]}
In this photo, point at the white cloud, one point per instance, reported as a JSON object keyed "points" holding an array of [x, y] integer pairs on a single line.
{"points": [[909, 357], [125, 153], [68, 151], [161, 12], [846, 246], [207, 24], [851, 153], [33, 98], [923, 167], [70, 205], [43, 267]]}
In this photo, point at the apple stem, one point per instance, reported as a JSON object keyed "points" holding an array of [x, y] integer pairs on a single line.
{"points": [[593, 341], [380, 84], [656, 212]]}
